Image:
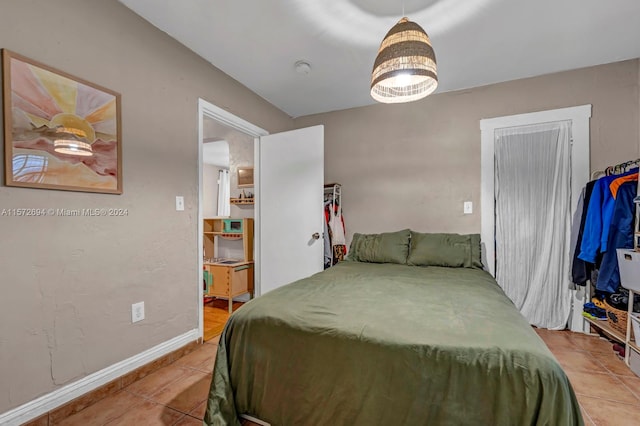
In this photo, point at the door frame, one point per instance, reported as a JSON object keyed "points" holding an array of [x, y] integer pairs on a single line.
{"points": [[209, 110], [580, 173], [579, 116]]}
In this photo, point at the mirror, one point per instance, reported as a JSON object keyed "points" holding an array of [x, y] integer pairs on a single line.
{"points": [[245, 177]]}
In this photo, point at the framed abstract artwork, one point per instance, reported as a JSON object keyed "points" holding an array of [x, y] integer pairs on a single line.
{"points": [[60, 131]]}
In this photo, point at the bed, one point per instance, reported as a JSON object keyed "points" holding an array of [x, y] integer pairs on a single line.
{"points": [[388, 343]]}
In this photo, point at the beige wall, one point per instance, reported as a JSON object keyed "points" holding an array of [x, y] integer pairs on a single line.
{"points": [[413, 165], [68, 283]]}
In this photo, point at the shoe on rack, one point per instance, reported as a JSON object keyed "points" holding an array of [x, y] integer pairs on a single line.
{"points": [[594, 312], [599, 313], [598, 302]]}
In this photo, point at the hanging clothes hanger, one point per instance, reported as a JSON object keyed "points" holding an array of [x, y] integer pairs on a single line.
{"points": [[630, 164], [620, 168]]}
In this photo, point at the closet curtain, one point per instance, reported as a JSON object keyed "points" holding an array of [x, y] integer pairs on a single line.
{"points": [[533, 220], [224, 191]]}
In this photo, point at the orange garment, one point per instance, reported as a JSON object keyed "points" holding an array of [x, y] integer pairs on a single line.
{"points": [[617, 182]]}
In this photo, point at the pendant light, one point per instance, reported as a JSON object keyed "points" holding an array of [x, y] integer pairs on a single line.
{"points": [[73, 147], [71, 142], [405, 68], [74, 135]]}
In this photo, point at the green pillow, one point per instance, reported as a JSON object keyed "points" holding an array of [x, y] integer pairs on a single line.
{"points": [[452, 250], [388, 247]]}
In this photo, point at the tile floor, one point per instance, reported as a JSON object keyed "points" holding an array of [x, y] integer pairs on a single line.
{"points": [[609, 393], [173, 395]]}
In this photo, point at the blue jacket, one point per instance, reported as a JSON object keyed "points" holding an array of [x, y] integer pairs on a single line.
{"points": [[581, 270], [620, 236], [599, 212]]}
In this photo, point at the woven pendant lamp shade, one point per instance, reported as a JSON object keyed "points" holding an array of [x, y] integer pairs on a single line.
{"points": [[405, 68]]}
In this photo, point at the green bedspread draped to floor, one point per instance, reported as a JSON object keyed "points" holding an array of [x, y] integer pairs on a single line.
{"points": [[387, 344]]}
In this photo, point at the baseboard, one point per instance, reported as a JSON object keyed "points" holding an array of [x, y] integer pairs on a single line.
{"points": [[52, 400]]}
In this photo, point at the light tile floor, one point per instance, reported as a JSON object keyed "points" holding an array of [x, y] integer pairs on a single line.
{"points": [[608, 392]]}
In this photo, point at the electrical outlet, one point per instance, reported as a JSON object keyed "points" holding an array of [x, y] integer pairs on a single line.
{"points": [[137, 312], [179, 203], [468, 207]]}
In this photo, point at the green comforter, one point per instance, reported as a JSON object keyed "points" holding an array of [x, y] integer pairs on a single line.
{"points": [[385, 344]]}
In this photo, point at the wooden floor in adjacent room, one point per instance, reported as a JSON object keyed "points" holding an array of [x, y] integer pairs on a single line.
{"points": [[216, 314]]}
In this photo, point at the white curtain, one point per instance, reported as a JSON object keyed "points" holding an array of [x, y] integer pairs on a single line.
{"points": [[533, 220], [224, 191]]}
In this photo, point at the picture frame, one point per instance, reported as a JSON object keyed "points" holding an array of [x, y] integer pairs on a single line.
{"points": [[60, 131], [245, 177]]}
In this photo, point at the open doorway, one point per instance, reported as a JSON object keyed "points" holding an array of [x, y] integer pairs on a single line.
{"points": [[227, 212], [287, 164], [216, 187]]}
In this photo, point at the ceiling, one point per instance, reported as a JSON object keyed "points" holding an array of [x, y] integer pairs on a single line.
{"points": [[477, 42]]}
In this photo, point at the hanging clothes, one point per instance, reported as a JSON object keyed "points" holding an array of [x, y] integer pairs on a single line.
{"points": [[335, 247], [337, 233], [608, 217], [617, 182], [598, 221], [337, 226], [620, 236], [339, 253], [581, 270], [328, 256]]}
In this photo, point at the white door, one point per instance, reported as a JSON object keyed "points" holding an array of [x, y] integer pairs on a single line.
{"points": [[291, 179]]}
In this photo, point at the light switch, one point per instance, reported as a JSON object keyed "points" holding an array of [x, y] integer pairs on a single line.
{"points": [[468, 207], [179, 203], [137, 312]]}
